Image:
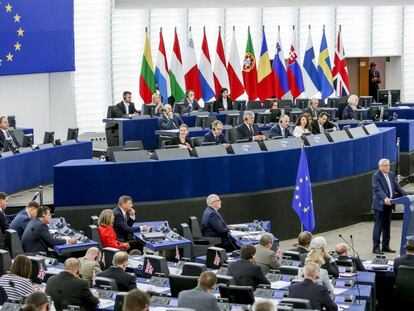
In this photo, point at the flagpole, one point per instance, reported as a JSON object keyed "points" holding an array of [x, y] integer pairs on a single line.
{"points": [[302, 146]]}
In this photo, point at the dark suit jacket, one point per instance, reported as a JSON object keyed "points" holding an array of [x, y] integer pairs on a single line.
{"points": [[380, 190], [218, 105], [276, 131], [20, 222], [331, 267], [212, 224], [4, 222], [210, 138], [124, 280], [122, 109], [317, 294], [165, 123], [313, 112], [300, 250], [348, 113], [37, 235], [176, 141], [3, 138], [246, 273], [244, 132], [123, 227], [186, 108], [315, 126], [406, 260], [357, 262], [66, 289]]}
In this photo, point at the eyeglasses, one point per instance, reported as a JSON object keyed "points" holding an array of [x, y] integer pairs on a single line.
{"points": [[217, 200]]}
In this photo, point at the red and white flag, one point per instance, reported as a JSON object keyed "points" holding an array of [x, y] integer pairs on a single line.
{"points": [[42, 273], [234, 70], [177, 253], [340, 69], [217, 260], [191, 75], [149, 269], [221, 78]]}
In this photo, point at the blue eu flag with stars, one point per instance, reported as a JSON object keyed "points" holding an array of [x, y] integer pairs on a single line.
{"points": [[302, 195], [36, 36]]}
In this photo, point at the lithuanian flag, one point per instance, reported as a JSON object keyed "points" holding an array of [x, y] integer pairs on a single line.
{"points": [[147, 78]]}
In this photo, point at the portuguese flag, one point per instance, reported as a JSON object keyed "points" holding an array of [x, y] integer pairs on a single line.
{"points": [[250, 69], [147, 78]]}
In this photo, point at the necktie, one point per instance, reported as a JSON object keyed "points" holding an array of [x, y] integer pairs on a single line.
{"points": [[283, 132], [389, 185], [251, 129], [8, 134]]}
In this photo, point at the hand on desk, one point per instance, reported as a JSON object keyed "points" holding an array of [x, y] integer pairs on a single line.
{"points": [[145, 228], [230, 227], [126, 245], [259, 137], [72, 241]]}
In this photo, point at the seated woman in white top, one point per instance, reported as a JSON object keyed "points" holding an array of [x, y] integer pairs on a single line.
{"points": [[302, 126], [316, 256]]}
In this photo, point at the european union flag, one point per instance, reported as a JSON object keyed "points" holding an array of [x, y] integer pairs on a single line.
{"points": [[302, 196], [36, 36]]}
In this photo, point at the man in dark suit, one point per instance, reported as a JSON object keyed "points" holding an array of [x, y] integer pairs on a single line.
{"points": [[408, 258], [4, 221], [6, 134], [23, 217], [213, 224], [384, 188], [124, 280], [126, 106], [36, 237], [317, 294], [216, 134], [374, 80], [342, 250], [190, 104], [244, 271], [320, 125], [304, 240], [281, 128], [248, 129], [168, 120], [66, 288], [312, 109]]}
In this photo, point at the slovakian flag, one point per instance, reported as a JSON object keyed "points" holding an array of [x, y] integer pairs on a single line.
{"points": [[147, 78], [176, 71], [324, 69], [191, 75], [221, 78], [264, 74], [293, 70], [161, 72], [279, 70], [302, 196], [340, 69], [250, 69], [204, 68], [310, 74], [234, 70]]}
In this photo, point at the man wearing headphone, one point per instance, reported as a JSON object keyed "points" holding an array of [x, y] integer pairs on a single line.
{"points": [[281, 128], [90, 263]]}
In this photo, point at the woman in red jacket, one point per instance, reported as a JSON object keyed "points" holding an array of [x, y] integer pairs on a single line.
{"points": [[107, 232]]}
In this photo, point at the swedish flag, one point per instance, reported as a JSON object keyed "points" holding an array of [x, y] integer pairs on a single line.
{"points": [[324, 69]]}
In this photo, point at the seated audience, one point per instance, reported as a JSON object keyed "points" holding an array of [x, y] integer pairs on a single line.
{"points": [[126, 106], [304, 240], [182, 139], [156, 100], [248, 129], [322, 124], [312, 109], [244, 271], [200, 298], [66, 288], [23, 217], [190, 104], [302, 126], [349, 111], [273, 105], [265, 257], [168, 120], [408, 258], [316, 256], [124, 280], [136, 300], [90, 263], [342, 251], [36, 237], [281, 128], [4, 220], [317, 294], [6, 134], [264, 305], [223, 101], [38, 300], [213, 224], [330, 264], [216, 134], [107, 232], [17, 283]]}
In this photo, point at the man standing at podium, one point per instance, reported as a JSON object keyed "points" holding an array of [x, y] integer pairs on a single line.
{"points": [[384, 188]]}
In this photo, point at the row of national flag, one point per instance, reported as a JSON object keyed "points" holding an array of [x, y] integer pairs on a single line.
{"points": [[262, 79]]}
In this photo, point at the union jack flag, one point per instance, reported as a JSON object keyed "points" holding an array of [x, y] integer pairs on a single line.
{"points": [[42, 273], [217, 260], [149, 269], [340, 70], [177, 253]]}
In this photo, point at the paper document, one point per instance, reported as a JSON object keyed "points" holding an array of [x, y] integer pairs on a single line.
{"points": [[153, 288], [279, 284], [338, 291], [106, 303]]}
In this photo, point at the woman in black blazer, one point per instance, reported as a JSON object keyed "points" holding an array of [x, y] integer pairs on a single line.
{"points": [[223, 101], [182, 140]]}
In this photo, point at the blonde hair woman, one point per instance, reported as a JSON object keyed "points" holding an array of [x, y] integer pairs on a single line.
{"points": [[107, 232]]}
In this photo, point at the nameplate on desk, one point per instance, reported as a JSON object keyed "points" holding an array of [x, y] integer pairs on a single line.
{"points": [[153, 236]]}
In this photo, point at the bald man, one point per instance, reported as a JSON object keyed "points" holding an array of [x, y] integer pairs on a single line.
{"points": [[168, 120], [90, 263], [342, 250], [67, 288]]}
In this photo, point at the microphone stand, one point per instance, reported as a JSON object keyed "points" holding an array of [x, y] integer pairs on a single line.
{"points": [[355, 254]]}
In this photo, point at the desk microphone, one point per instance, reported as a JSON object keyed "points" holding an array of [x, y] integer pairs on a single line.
{"points": [[350, 246]]}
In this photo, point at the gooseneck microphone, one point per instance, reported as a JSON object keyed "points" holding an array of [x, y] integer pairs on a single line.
{"points": [[350, 246]]}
